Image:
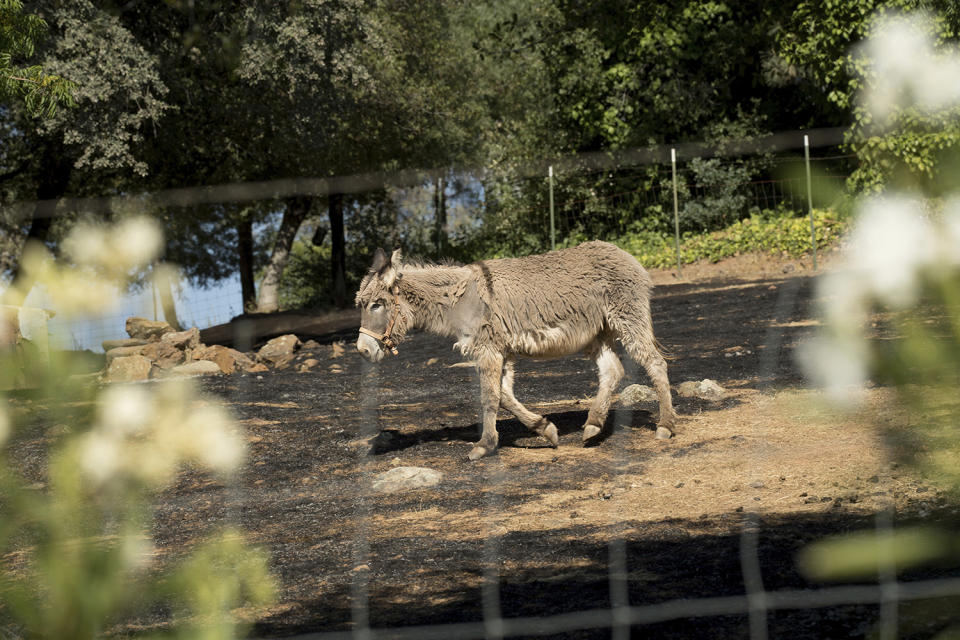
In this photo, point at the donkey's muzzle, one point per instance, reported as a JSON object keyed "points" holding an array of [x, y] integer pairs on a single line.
{"points": [[369, 348]]}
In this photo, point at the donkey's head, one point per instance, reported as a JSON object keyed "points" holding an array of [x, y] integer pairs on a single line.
{"points": [[379, 302]]}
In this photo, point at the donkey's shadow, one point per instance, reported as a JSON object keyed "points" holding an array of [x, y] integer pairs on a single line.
{"points": [[512, 432]]}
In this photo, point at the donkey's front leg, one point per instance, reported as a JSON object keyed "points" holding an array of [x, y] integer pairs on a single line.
{"points": [[490, 367]]}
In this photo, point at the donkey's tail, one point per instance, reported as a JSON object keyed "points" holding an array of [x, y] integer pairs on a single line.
{"points": [[665, 352]]}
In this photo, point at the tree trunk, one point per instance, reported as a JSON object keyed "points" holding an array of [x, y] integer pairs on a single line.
{"points": [[248, 287], [296, 211], [53, 185], [164, 282], [338, 253], [440, 219]]}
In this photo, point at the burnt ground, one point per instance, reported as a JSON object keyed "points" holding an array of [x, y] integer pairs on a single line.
{"points": [[537, 530]]}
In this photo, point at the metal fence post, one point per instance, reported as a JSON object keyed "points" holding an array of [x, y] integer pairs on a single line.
{"points": [[553, 230], [813, 228], [676, 208]]}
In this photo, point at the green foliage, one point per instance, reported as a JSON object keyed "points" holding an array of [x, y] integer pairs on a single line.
{"points": [[78, 555], [776, 232], [41, 93], [902, 266], [819, 46]]}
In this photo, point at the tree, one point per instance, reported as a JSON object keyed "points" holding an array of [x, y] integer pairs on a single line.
{"points": [[95, 148], [40, 92], [818, 42]]}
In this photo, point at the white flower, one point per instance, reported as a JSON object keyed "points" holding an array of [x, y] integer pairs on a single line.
{"points": [[125, 409], [101, 456], [137, 242], [837, 364], [87, 245], [131, 244], [890, 244], [907, 69], [215, 442]]}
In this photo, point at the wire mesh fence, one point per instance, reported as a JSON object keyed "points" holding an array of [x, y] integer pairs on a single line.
{"points": [[612, 203], [589, 204]]}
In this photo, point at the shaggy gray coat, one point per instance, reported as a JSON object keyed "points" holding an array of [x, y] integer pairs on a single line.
{"points": [[579, 299]]}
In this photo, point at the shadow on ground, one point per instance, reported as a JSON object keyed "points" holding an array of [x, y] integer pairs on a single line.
{"points": [[672, 560]]}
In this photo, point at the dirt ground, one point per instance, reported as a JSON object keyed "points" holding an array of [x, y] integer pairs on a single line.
{"points": [[537, 530]]}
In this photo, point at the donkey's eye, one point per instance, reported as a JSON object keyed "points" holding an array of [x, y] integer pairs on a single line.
{"points": [[375, 306]]}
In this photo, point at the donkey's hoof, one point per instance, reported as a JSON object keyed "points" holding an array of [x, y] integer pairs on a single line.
{"points": [[663, 433], [590, 432], [478, 452], [550, 433]]}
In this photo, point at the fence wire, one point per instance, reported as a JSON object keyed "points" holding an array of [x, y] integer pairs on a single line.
{"points": [[622, 616]]}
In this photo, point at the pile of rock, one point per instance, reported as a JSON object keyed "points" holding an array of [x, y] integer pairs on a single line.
{"points": [[155, 350]]}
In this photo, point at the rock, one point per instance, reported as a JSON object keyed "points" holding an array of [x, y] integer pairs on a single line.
{"points": [[705, 390], [310, 345], [128, 369], [336, 350], [307, 365], [283, 362], [637, 394], [123, 352], [406, 479], [229, 360], [279, 348], [183, 339], [196, 368], [163, 354], [257, 367], [144, 329], [109, 345]]}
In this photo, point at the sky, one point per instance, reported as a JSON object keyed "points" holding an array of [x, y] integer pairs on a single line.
{"points": [[196, 307]]}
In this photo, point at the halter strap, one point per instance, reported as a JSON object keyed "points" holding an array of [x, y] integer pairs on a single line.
{"points": [[384, 337]]}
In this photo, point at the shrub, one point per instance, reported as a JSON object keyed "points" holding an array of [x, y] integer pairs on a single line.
{"points": [[771, 231]]}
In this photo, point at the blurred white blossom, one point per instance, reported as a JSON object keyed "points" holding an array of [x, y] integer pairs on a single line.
{"points": [[138, 241], [908, 71], [124, 410], [892, 247], [837, 364], [71, 291], [146, 433], [130, 244], [891, 242]]}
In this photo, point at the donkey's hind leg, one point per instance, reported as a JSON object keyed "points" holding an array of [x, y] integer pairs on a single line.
{"points": [[636, 334], [535, 422], [611, 373]]}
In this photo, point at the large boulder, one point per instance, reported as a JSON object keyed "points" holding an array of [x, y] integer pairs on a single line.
{"points": [[128, 369], [279, 348], [147, 329]]}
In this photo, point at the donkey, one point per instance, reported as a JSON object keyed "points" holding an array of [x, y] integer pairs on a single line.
{"points": [[578, 299]]}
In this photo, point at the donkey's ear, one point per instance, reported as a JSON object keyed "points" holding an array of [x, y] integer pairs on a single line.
{"points": [[379, 261], [391, 271]]}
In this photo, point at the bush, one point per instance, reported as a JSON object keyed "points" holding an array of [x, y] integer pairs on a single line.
{"points": [[772, 232]]}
